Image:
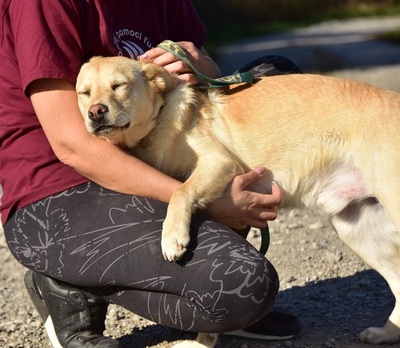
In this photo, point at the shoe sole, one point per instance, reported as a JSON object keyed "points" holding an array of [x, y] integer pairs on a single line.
{"points": [[36, 298], [245, 334]]}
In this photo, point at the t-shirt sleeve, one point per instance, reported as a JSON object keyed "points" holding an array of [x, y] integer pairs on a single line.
{"points": [[47, 39]]}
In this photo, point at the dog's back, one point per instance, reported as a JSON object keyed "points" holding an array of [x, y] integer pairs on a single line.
{"points": [[322, 126]]}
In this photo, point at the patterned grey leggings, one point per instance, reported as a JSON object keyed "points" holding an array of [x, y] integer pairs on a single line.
{"points": [[92, 237]]}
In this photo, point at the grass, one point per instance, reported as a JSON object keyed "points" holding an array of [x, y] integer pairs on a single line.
{"points": [[392, 36]]}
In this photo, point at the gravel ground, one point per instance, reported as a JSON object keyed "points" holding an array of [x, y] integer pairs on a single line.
{"points": [[333, 292]]}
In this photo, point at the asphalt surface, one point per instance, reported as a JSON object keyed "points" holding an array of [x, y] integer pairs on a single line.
{"points": [[345, 47]]}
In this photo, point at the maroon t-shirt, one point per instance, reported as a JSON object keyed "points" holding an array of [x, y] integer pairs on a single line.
{"points": [[52, 39]]}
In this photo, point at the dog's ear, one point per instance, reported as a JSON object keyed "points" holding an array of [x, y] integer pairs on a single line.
{"points": [[160, 77], [94, 58]]}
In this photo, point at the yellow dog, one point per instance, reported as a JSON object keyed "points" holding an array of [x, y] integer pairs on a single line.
{"points": [[332, 145]]}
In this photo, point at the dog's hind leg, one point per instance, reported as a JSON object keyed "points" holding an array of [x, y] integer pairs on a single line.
{"points": [[367, 229]]}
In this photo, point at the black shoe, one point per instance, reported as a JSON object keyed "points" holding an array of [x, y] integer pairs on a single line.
{"points": [[275, 326], [73, 318]]}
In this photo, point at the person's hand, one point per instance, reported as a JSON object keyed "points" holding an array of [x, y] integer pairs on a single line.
{"points": [[239, 207], [200, 59]]}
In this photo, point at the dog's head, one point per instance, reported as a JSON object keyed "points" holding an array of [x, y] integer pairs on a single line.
{"points": [[120, 98]]}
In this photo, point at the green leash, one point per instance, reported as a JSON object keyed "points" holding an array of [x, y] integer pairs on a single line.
{"points": [[244, 77], [179, 52], [265, 240]]}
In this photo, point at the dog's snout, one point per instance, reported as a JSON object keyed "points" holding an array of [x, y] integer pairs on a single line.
{"points": [[97, 112]]}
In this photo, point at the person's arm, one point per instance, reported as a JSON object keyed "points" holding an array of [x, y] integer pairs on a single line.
{"points": [[55, 103], [200, 58]]}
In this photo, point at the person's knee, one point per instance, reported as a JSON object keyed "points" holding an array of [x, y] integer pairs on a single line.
{"points": [[247, 294]]}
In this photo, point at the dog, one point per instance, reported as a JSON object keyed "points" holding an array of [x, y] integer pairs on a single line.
{"points": [[332, 145]]}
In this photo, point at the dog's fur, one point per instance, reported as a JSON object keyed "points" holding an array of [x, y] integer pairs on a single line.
{"points": [[332, 145]]}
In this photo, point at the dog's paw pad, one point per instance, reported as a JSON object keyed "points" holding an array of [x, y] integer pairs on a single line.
{"points": [[172, 248], [171, 257]]}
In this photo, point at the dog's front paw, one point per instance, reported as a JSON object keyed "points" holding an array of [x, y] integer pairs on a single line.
{"points": [[174, 245]]}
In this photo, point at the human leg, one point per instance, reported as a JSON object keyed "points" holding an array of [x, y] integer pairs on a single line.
{"points": [[109, 243]]}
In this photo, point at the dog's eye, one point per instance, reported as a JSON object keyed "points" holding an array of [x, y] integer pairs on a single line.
{"points": [[118, 85], [85, 93]]}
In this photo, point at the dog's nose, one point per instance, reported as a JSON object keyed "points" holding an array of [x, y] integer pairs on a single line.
{"points": [[97, 112]]}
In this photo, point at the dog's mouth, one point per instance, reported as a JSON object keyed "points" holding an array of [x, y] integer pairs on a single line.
{"points": [[102, 129]]}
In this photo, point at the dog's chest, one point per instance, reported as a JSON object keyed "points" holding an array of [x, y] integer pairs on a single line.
{"points": [[168, 154]]}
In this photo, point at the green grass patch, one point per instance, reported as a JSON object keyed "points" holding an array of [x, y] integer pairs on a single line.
{"points": [[392, 36]]}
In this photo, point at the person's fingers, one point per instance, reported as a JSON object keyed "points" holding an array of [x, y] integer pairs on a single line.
{"points": [[269, 204], [173, 65], [250, 177], [189, 78], [152, 54], [176, 67], [165, 59], [276, 195], [268, 215]]}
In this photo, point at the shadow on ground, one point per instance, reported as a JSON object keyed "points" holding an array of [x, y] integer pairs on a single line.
{"points": [[340, 306], [333, 310]]}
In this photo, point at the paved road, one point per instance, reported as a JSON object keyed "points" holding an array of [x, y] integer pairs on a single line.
{"points": [[346, 47]]}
